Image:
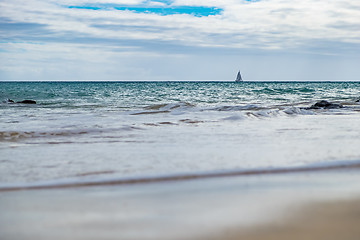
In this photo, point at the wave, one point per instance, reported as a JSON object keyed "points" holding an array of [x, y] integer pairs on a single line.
{"points": [[256, 109], [194, 114], [298, 111], [164, 108], [239, 107], [74, 183], [19, 135], [12, 135]]}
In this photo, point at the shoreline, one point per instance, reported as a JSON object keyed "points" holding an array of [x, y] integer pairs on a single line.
{"points": [[78, 183]]}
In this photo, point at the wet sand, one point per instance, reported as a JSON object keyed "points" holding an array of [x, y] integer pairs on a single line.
{"points": [[321, 221], [304, 205]]}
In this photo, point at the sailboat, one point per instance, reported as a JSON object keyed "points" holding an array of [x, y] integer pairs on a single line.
{"points": [[238, 77]]}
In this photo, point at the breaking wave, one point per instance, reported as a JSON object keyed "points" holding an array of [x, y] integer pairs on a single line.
{"points": [[301, 108], [20, 135], [164, 108]]}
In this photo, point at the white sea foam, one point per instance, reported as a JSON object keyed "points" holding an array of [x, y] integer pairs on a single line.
{"points": [[239, 107], [235, 117], [23, 135], [298, 111]]}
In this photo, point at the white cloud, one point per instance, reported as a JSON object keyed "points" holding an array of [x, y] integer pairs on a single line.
{"points": [[263, 24], [297, 26], [208, 3], [157, 4]]}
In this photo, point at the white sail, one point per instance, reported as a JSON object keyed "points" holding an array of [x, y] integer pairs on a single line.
{"points": [[238, 77]]}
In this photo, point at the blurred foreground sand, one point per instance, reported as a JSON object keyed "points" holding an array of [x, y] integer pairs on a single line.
{"points": [[306, 206], [326, 221]]}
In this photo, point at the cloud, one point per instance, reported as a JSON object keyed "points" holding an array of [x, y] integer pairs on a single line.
{"points": [[133, 27], [271, 24]]}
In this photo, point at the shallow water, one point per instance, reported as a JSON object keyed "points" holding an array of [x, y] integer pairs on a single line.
{"points": [[91, 131]]}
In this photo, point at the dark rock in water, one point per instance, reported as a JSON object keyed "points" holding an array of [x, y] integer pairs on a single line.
{"points": [[10, 101], [27, 102], [326, 105], [358, 100]]}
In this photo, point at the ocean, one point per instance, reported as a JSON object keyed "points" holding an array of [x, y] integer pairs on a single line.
{"points": [[105, 132]]}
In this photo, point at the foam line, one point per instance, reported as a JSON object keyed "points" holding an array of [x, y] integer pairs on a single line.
{"points": [[184, 177]]}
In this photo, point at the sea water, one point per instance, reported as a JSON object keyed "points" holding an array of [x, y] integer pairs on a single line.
{"points": [[96, 131]]}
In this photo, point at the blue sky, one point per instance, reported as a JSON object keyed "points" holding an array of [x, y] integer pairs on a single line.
{"points": [[179, 39], [159, 7]]}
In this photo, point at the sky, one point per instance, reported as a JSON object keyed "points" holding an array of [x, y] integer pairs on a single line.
{"points": [[179, 39]]}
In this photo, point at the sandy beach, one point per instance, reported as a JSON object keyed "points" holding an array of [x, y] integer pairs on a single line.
{"points": [[311, 205], [319, 221]]}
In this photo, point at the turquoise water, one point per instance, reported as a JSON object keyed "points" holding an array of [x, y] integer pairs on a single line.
{"points": [[97, 130], [130, 95]]}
